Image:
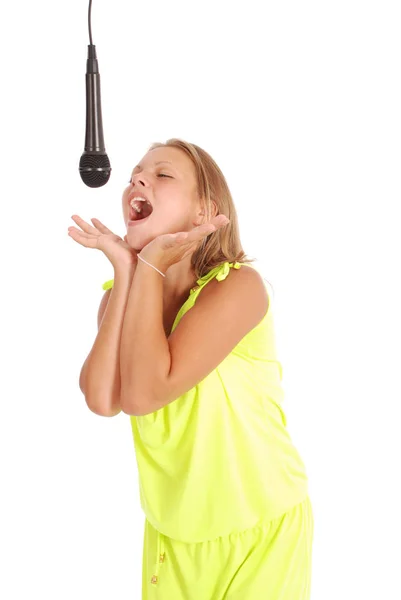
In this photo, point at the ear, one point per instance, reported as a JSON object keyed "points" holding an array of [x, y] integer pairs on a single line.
{"points": [[201, 213], [215, 210]]}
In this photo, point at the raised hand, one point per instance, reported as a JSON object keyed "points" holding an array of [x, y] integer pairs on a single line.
{"points": [[100, 237], [170, 248]]}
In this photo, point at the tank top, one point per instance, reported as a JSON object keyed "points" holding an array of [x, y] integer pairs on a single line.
{"points": [[219, 459]]}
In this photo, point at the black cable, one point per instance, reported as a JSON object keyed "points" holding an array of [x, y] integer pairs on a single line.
{"points": [[89, 21]]}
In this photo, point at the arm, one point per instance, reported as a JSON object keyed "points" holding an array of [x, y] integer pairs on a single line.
{"points": [[144, 365], [100, 376], [156, 371]]}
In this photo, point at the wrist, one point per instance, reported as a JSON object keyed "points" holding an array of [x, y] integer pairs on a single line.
{"points": [[125, 268], [155, 265]]}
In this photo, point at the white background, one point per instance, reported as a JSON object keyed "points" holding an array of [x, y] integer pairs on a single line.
{"points": [[299, 104]]}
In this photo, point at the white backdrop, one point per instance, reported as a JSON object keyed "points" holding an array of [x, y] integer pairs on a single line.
{"points": [[299, 104]]}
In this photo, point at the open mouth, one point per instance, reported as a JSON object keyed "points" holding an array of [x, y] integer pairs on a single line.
{"points": [[140, 211]]}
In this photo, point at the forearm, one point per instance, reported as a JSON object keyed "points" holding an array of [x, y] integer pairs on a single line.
{"points": [[145, 364], [102, 376]]}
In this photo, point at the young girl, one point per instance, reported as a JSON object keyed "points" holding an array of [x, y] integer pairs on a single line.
{"points": [[186, 348]]}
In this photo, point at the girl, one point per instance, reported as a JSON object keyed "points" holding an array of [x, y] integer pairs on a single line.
{"points": [[186, 348]]}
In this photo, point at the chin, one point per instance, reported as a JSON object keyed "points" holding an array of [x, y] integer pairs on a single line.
{"points": [[136, 245]]}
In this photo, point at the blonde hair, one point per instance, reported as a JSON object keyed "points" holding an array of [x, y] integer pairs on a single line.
{"points": [[224, 244]]}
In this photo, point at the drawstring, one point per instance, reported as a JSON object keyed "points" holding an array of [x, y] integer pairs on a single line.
{"points": [[160, 556], [222, 272]]}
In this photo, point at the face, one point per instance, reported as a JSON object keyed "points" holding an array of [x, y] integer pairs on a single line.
{"points": [[167, 178]]}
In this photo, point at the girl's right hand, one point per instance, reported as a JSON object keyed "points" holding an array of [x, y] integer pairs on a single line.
{"points": [[116, 249]]}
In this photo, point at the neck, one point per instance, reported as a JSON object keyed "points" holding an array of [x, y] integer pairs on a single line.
{"points": [[180, 279]]}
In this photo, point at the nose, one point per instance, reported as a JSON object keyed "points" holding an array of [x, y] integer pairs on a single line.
{"points": [[139, 179]]}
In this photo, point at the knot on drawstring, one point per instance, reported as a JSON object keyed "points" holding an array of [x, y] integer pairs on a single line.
{"points": [[222, 272], [161, 554]]}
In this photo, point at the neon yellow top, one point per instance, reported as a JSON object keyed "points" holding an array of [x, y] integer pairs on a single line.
{"points": [[218, 459]]}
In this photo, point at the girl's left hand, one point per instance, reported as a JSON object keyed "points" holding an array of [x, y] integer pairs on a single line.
{"points": [[170, 248]]}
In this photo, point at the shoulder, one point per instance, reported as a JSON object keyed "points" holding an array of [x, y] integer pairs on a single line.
{"points": [[224, 312], [243, 289]]}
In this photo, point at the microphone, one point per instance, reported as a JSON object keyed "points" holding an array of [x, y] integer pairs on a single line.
{"points": [[94, 165]]}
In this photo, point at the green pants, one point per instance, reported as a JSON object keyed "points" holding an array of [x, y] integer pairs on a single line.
{"points": [[272, 561]]}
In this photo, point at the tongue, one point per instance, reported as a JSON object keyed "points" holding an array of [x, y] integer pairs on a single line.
{"points": [[145, 212], [137, 216]]}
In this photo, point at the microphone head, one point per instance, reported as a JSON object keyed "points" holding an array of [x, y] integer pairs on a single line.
{"points": [[94, 168]]}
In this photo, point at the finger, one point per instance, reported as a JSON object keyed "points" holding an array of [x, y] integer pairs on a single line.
{"points": [[189, 237], [216, 223], [84, 225], [197, 233], [87, 240], [220, 220], [202, 230], [87, 235], [99, 225]]}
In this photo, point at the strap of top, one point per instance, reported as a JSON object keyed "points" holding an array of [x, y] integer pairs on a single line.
{"points": [[108, 284], [222, 272]]}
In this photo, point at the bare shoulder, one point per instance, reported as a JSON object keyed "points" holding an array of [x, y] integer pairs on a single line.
{"points": [[224, 312], [243, 285]]}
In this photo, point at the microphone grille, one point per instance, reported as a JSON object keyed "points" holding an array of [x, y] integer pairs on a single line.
{"points": [[94, 169]]}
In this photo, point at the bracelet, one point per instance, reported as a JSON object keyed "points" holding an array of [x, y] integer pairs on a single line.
{"points": [[145, 261]]}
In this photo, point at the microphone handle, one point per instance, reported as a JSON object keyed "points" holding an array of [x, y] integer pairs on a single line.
{"points": [[94, 141]]}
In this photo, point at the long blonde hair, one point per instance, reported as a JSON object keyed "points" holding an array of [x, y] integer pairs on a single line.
{"points": [[224, 244]]}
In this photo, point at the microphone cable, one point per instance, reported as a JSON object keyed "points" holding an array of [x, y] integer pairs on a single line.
{"points": [[89, 22]]}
